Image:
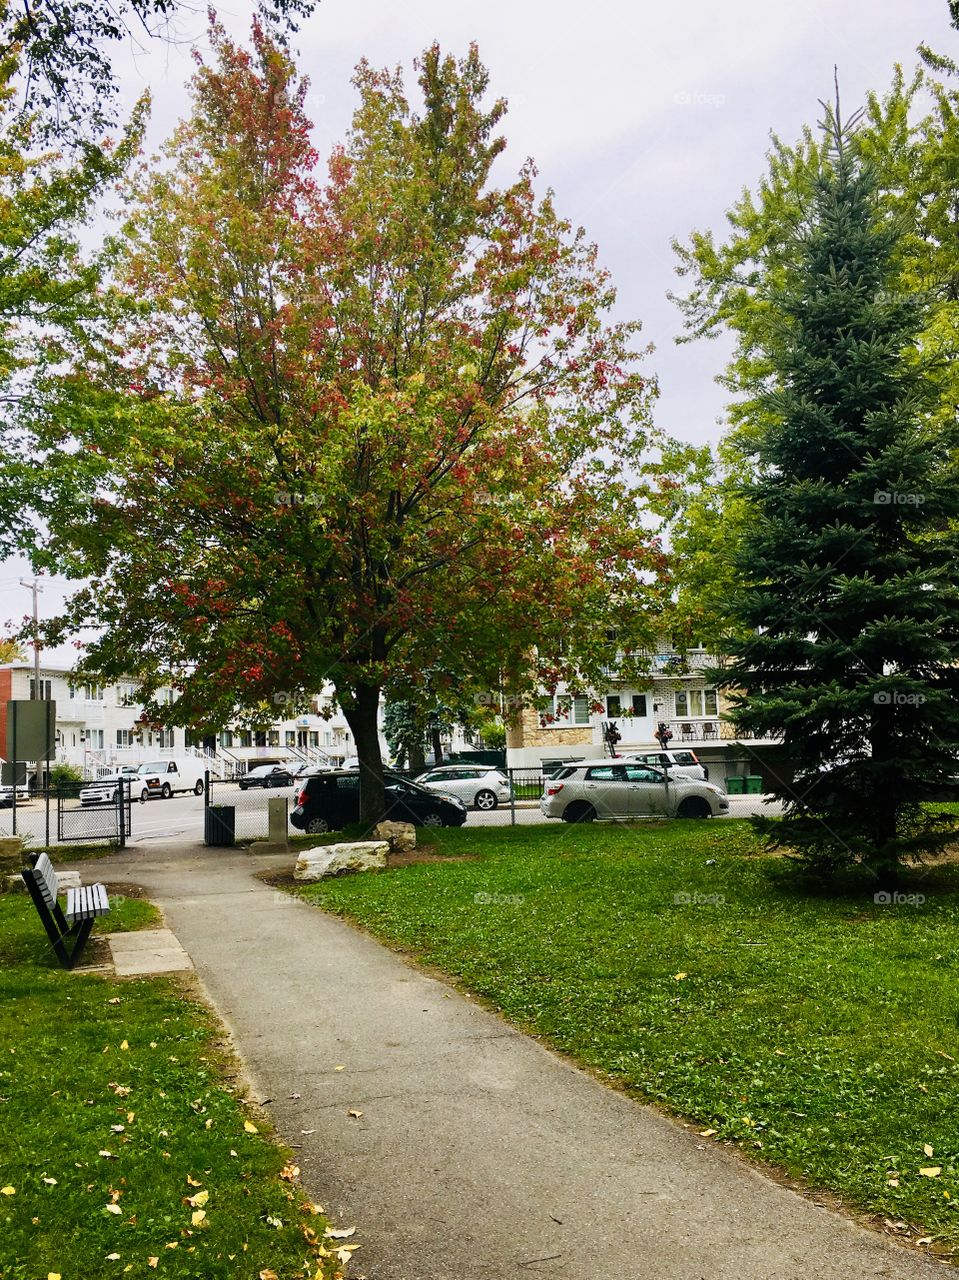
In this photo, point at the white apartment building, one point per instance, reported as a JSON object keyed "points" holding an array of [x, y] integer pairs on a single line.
{"points": [[99, 726]]}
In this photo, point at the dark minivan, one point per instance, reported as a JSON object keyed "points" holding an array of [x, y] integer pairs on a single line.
{"points": [[330, 801]]}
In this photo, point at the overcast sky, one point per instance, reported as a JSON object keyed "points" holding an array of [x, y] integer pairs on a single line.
{"points": [[646, 119]]}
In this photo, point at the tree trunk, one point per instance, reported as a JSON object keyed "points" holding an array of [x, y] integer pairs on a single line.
{"points": [[437, 746], [417, 758], [362, 717]]}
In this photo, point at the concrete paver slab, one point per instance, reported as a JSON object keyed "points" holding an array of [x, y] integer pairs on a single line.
{"points": [[146, 952]]}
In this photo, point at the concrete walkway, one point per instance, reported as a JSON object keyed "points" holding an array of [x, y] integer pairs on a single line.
{"points": [[478, 1155]]}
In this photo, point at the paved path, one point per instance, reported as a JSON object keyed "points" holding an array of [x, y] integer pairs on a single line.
{"points": [[479, 1155]]}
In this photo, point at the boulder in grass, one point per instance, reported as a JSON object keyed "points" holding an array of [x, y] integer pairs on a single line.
{"points": [[336, 859], [401, 836]]}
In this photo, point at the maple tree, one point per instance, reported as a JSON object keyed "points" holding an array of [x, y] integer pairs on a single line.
{"points": [[353, 430]]}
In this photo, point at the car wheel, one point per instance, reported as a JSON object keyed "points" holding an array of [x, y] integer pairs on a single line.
{"points": [[317, 826], [580, 812], [485, 800], [166, 791], [199, 788], [434, 819], [694, 807], [144, 795]]}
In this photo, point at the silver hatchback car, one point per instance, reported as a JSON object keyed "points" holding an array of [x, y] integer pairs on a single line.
{"points": [[477, 785], [625, 789]]}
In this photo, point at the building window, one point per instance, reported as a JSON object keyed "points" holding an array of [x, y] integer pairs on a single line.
{"points": [[128, 695], [639, 704], [124, 738], [46, 690], [614, 707], [165, 739], [93, 692], [94, 739], [565, 710], [291, 737], [697, 702]]}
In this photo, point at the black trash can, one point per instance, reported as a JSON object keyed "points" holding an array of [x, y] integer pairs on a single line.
{"points": [[219, 828]]}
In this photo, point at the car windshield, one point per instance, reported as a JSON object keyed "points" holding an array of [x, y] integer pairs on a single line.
{"points": [[158, 766]]}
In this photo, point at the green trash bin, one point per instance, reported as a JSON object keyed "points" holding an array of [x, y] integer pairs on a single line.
{"points": [[754, 784], [735, 785]]}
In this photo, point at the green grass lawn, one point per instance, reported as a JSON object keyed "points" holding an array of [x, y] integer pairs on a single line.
{"points": [[819, 1035], [115, 1111]]}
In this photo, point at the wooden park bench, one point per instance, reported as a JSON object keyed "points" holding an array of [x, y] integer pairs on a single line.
{"points": [[67, 930]]}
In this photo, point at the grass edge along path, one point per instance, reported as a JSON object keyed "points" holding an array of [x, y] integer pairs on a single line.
{"points": [[125, 1146], [818, 1036]]}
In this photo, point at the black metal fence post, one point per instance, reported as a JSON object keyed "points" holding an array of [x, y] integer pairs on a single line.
{"points": [[121, 814], [46, 798], [206, 788]]}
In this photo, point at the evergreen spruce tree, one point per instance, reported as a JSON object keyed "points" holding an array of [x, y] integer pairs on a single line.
{"points": [[849, 559]]}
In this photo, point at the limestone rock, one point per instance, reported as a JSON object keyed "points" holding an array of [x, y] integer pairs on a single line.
{"points": [[400, 835], [334, 859]]}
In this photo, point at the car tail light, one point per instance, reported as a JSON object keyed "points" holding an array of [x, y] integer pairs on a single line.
{"points": [[554, 788], [301, 798]]}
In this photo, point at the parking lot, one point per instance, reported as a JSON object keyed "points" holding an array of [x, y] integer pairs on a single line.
{"points": [[180, 819]]}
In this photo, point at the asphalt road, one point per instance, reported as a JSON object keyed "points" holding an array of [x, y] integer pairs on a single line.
{"points": [[180, 819]]}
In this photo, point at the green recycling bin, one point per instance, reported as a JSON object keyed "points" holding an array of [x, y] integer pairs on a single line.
{"points": [[754, 784], [735, 785]]}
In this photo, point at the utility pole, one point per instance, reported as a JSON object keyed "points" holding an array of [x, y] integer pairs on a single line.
{"points": [[35, 587]]}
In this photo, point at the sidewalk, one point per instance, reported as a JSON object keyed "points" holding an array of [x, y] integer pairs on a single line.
{"points": [[478, 1154]]}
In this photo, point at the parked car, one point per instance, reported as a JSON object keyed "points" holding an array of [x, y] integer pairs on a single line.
{"points": [[303, 769], [626, 789], [329, 801], [164, 777], [681, 763], [106, 790], [266, 775], [6, 796], [480, 787]]}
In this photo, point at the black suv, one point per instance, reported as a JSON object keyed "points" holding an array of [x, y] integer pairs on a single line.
{"points": [[330, 801]]}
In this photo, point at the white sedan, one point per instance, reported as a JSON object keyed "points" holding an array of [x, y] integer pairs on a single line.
{"points": [[476, 785]]}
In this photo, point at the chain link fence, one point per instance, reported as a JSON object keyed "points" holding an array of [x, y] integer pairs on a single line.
{"points": [[68, 814]]}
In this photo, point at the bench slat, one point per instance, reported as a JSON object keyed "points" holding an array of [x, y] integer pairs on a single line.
{"points": [[47, 881], [87, 903]]}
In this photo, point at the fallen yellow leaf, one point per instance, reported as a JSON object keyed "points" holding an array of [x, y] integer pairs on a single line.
{"points": [[192, 1182], [290, 1172], [268, 1275], [124, 1045], [8, 1191], [250, 1127], [51, 1182], [932, 1172], [706, 1133], [927, 1148], [355, 1114], [199, 1199], [339, 1068], [153, 1262], [53, 1275], [332, 1233], [198, 1217], [113, 1208], [678, 977], [113, 1257]]}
